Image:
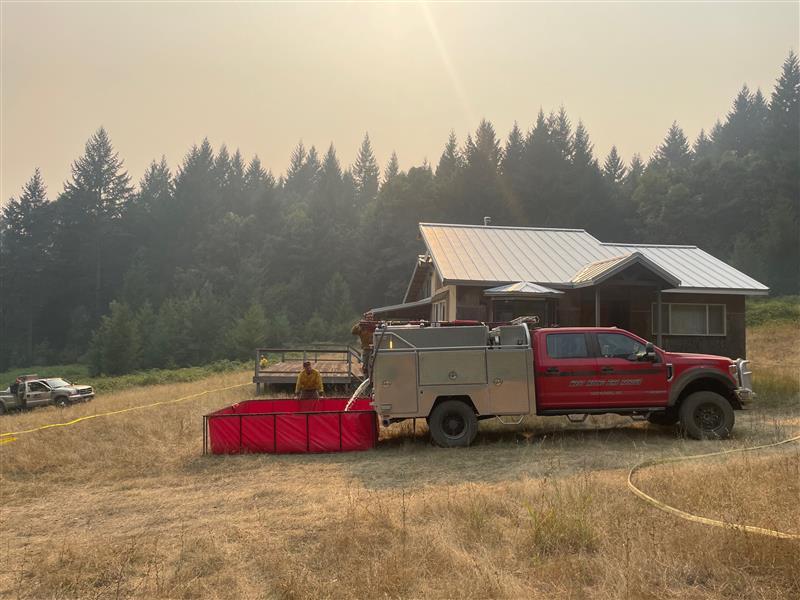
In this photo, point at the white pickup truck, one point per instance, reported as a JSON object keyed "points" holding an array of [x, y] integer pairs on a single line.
{"points": [[30, 391]]}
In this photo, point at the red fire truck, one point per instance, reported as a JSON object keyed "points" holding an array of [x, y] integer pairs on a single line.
{"points": [[454, 376]]}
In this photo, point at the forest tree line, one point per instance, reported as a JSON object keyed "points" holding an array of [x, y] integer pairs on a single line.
{"points": [[219, 256]]}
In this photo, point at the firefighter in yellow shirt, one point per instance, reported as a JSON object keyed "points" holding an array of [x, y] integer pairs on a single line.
{"points": [[309, 383]]}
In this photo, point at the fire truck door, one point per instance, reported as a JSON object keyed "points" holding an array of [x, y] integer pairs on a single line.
{"points": [[565, 368], [508, 380], [625, 381]]}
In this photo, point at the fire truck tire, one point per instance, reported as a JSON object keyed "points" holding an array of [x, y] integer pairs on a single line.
{"points": [[706, 415], [61, 401], [2, 408], [666, 418], [453, 424]]}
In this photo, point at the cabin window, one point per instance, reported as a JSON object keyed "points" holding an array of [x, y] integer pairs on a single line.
{"points": [[690, 319]]}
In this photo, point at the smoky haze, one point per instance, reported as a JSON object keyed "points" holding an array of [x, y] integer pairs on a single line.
{"points": [[263, 76]]}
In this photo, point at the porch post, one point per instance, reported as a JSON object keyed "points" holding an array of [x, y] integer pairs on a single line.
{"points": [[658, 320], [596, 306]]}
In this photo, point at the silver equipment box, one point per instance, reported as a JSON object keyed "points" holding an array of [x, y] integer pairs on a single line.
{"points": [[415, 365]]}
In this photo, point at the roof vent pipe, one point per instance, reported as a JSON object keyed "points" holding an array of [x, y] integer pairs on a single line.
{"points": [[487, 221]]}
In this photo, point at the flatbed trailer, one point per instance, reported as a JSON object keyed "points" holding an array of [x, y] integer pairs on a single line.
{"points": [[338, 365]]}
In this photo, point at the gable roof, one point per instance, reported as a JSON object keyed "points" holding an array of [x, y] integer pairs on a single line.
{"points": [[600, 270], [491, 255], [522, 288]]}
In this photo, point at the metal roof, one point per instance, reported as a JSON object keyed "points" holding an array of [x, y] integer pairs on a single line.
{"points": [[601, 270], [522, 288], [394, 307], [474, 254], [696, 268]]}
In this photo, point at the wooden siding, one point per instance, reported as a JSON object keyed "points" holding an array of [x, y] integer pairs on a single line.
{"points": [[630, 307]]}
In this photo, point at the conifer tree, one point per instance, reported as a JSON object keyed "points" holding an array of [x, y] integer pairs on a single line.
{"points": [[614, 169], [392, 168], [366, 173], [156, 186], [93, 200], [784, 110], [561, 132], [674, 151], [451, 160], [514, 152], [25, 232], [702, 145], [582, 148]]}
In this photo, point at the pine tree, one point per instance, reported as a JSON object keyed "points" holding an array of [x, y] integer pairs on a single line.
{"points": [[25, 225], [744, 128], [366, 173], [93, 200], [451, 160], [784, 110], [486, 147], [614, 169], [674, 151], [392, 168], [581, 147], [156, 186], [296, 161], [635, 171], [514, 152], [561, 132], [222, 168], [702, 145]]}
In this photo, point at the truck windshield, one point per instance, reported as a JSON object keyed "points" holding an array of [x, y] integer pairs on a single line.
{"points": [[57, 383]]}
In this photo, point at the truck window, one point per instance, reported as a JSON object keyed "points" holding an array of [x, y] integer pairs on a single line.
{"points": [[616, 345], [567, 345], [36, 386]]}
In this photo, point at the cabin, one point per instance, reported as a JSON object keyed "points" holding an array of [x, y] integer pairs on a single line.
{"points": [[680, 297]]}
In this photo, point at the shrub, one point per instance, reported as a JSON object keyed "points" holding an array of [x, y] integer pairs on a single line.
{"points": [[768, 310]]}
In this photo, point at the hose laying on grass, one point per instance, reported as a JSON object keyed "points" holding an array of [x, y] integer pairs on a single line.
{"points": [[704, 520], [10, 436]]}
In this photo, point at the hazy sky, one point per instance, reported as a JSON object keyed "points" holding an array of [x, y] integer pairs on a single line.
{"points": [[260, 77]]}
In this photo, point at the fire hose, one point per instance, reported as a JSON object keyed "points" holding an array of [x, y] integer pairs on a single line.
{"points": [[697, 518], [10, 436]]}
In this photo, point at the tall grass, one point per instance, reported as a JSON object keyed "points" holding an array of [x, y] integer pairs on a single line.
{"points": [[774, 351], [126, 506]]}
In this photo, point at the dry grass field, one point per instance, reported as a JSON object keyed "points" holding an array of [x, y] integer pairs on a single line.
{"points": [[126, 506]]}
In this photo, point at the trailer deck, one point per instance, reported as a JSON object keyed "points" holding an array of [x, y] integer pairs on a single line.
{"points": [[338, 365]]}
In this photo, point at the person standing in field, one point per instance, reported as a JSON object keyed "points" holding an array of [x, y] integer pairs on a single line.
{"points": [[309, 383]]}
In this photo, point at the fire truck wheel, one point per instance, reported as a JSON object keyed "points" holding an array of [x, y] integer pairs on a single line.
{"points": [[453, 424], [666, 418], [2, 408], [706, 415], [61, 402]]}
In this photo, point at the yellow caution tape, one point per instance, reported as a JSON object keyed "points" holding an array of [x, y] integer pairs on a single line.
{"points": [[9, 436], [704, 520]]}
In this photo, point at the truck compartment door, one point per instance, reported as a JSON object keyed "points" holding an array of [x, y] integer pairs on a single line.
{"points": [[452, 367], [395, 383], [508, 380]]}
